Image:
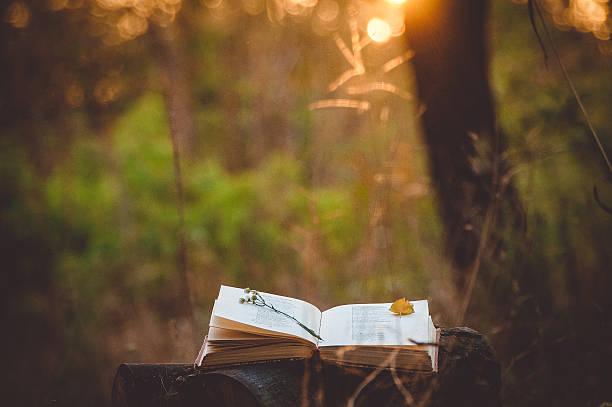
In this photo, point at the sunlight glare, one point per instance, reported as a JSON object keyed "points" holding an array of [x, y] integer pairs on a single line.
{"points": [[379, 30]]}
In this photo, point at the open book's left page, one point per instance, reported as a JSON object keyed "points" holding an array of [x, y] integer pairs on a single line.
{"points": [[229, 313]]}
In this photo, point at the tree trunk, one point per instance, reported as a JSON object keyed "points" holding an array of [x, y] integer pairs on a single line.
{"points": [[181, 120], [464, 146], [175, 85]]}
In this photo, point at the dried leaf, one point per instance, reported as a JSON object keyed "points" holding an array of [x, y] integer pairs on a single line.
{"points": [[402, 307]]}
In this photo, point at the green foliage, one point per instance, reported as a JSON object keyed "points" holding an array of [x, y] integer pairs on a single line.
{"points": [[314, 204], [556, 160]]}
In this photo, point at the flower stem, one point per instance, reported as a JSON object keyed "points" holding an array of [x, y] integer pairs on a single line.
{"points": [[262, 303]]}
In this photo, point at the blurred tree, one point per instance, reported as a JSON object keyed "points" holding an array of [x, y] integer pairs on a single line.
{"points": [[181, 119], [167, 45], [465, 147], [47, 82]]}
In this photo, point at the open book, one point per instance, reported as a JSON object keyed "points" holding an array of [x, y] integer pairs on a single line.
{"points": [[355, 334]]}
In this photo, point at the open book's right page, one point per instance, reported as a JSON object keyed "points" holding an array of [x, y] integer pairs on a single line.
{"points": [[374, 324]]}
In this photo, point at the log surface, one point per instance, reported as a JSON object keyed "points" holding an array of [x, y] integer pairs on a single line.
{"points": [[468, 375]]}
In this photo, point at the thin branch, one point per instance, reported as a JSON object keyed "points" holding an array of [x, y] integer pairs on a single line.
{"points": [[370, 377], [380, 86], [360, 105], [397, 61], [343, 78], [356, 44], [400, 386], [350, 58], [570, 83]]}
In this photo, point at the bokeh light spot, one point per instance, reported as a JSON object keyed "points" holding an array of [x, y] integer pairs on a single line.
{"points": [[18, 15], [379, 30], [328, 10], [74, 95]]}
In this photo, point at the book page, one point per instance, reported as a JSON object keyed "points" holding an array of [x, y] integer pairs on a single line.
{"points": [[227, 307], [374, 324]]}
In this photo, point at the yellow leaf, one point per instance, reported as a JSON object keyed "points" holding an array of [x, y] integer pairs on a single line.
{"points": [[402, 307]]}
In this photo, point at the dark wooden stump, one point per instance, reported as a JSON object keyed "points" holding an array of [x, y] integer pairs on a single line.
{"points": [[468, 375]]}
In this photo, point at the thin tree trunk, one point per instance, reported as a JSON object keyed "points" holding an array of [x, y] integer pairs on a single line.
{"points": [[175, 86], [179, 106]]}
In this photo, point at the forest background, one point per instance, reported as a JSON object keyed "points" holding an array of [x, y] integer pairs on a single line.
{"points": [[154, 149]]}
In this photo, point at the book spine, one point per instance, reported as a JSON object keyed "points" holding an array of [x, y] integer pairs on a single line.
{"points": [[201, 353]]}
